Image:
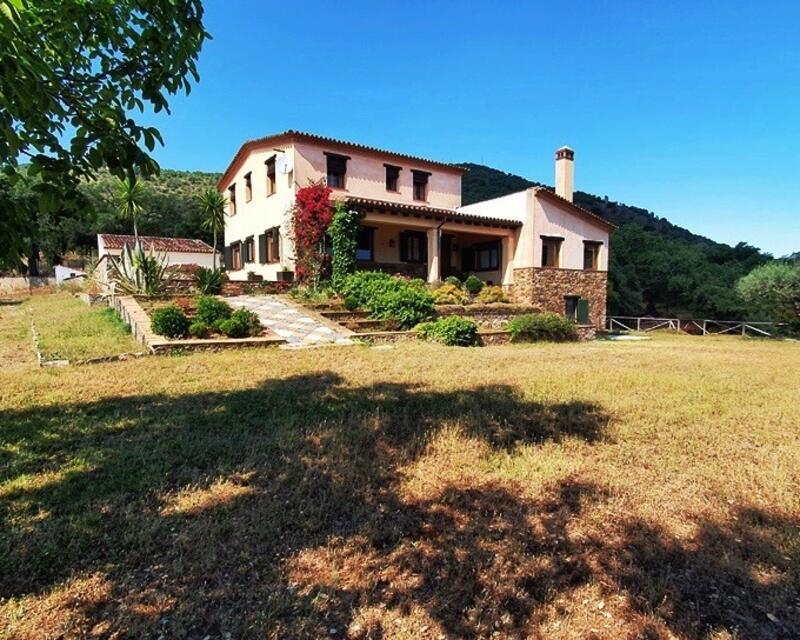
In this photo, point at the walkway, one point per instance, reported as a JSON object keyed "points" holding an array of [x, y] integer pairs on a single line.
{"points": [[289, 322]]}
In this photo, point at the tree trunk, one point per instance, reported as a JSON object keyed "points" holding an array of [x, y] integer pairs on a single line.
{"points": [[214, 255], [33, 260]]}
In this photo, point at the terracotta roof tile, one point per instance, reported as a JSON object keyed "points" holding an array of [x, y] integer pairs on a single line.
{"points": [[434, 212], [183, 245]]}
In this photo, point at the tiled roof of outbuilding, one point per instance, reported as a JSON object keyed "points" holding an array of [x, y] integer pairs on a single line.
{"points": [[182, 245]]}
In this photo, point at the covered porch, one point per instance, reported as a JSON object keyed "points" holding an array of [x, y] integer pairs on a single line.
{"points": [[432, 244]]}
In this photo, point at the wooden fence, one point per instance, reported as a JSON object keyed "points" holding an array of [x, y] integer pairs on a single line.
{"points": [[645, 324]]}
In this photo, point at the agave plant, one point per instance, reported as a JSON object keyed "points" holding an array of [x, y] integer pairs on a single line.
{"points": [[136, 271]]}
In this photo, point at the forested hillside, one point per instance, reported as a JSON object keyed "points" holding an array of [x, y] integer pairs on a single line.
{"points": [[656, 267]]}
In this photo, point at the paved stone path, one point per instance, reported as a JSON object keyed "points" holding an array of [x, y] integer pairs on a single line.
{"points": [[290, 323]]}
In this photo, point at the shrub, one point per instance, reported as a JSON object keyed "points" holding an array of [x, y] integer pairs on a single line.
{"points": [[452, 331], [241, 323], [199, 329], [209, 281], [361, 286], [473, 284], [211, 310], [388, 298], [491, 294], [453, 280], [543, 326], [170, 321], [449, 294]]}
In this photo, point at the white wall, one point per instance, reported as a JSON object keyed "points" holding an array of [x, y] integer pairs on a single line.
{"points": [[262, 212], [551, 219]]}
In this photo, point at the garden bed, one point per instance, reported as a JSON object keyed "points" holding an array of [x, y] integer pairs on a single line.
{"points": [[137, 312]]}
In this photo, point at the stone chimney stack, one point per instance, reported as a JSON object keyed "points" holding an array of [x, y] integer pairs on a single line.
{"points": [[565, 173]]}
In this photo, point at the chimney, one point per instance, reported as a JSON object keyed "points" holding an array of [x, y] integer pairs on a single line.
{"points": [[565, 173]]}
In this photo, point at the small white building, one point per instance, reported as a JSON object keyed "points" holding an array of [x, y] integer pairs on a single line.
{"points": [[178, 251]]}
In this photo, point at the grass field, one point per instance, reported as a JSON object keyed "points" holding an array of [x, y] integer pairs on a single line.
{"points": [[596, 490], [71, 330]]}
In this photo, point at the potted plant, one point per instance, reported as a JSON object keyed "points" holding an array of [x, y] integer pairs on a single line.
{"points": [[284, 275]]}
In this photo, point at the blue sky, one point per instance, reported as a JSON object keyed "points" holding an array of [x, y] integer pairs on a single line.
{"points": [[691, 110]]}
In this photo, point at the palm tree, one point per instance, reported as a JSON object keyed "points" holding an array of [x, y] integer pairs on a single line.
{"points": [[212, 203], [129, 198]]}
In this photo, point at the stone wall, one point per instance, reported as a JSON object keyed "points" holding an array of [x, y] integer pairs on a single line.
{"points": [[494, 316], [546, 289]]}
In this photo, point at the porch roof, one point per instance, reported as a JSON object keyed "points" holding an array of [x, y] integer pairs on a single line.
{"points": [[423, 211]]}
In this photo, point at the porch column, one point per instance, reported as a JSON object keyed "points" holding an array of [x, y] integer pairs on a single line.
{"points": [[508, 247], [433, 254]]}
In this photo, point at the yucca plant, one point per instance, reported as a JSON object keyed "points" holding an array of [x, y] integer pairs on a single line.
{"points": [[138, 272]]}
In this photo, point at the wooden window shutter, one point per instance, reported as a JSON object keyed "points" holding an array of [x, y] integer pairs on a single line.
{"points": [[229, 256], [583, 311], [276, 244], [262, 248]]}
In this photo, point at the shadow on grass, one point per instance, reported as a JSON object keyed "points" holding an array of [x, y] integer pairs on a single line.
{"points": [[280, 509]]}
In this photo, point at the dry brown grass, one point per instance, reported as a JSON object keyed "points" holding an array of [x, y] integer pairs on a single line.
{"points": [[639, 490]]}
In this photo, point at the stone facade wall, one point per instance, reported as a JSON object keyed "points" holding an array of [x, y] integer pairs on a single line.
{"points": [[546, 289]]}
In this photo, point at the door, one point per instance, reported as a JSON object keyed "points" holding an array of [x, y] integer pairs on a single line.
{"points": [[446, 257], [571, 307]]}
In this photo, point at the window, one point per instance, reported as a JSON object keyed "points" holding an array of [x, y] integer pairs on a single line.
{"points": [[248, 187], [392, 177], [551, 250], [591, 255], [249, 250], [413, 246], [271, 184], [236, 256], [420, 185], [487, 256], [337, 168], [365, 244], [232, 199], [273, 245], [571, 307]]}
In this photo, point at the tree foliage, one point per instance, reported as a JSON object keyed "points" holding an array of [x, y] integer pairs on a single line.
{"points": [[71, 73], [775, 288]]}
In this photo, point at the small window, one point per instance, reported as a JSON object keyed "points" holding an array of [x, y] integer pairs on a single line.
{"points": [[392, 178], [337, 169], [232, 199], [571, 307], [271, 184], [421, 185], [236, 256], [248, 187], [487, 256], [249, 250], [551, 250], [413, 246], [273, 245], [591, 255], [365, 244]]}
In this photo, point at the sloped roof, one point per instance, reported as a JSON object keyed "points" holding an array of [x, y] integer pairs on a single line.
{"points": [[291, 135], [157, 243], [447, 215]]}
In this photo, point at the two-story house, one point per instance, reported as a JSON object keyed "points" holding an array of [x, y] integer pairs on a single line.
{"points": [[542, 248]]}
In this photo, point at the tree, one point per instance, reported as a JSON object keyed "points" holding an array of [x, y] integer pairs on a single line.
{"points": [[775, 288], [212, 203], [71, 73], [129, 202]]}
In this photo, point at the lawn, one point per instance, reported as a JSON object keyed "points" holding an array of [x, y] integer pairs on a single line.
{"points": [[71, 330], [595, 490]]}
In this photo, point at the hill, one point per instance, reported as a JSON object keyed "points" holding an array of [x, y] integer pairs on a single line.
{"points": [[656, 266]]}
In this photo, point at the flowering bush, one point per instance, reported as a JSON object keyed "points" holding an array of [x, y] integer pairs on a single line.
{"points": [[311, 215]]}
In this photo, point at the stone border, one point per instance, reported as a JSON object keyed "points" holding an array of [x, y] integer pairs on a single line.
{"points": [[131, 312]]}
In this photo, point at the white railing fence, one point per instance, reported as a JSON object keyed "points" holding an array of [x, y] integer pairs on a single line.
{"points": [[624, 324]]}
